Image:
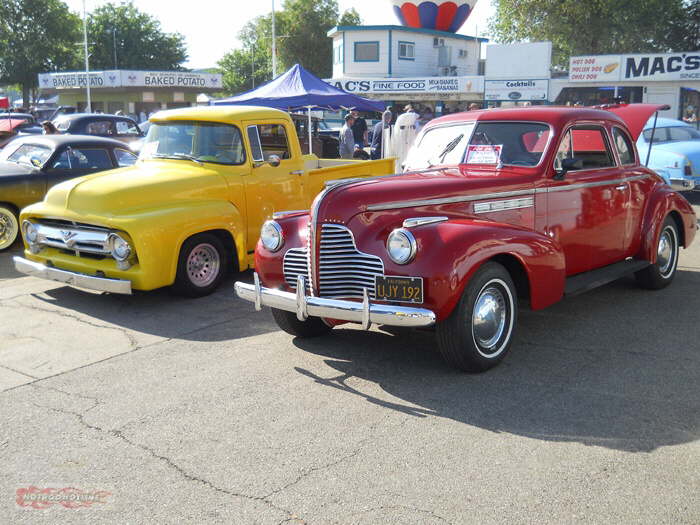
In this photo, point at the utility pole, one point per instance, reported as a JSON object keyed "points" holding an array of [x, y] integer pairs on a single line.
{"points": [[87, 63], [274, 43], [114, 34]]}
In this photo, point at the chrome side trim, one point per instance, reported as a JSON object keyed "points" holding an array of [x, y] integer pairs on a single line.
{"points": [[280, 214], [79, 280], [422, 221], [363, 312], [448, 200], [513, 204]]}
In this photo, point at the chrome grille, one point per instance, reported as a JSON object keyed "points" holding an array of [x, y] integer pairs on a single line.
{"points": [[344, 271], [77, 238]]}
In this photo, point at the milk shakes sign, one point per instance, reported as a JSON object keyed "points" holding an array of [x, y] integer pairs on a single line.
{"points": [[654, 67], [149, 79]]}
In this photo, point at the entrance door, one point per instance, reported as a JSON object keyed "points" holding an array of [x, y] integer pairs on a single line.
{"points": [[587, 210], [271, 187]]}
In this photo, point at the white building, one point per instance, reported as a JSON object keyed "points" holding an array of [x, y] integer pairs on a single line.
{"points": [[397, 63]]}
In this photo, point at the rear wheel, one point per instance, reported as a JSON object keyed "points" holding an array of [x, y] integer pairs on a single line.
{"points": [[661, 273], [312, 327], [9, 227], [478, 333], [201, 266]]}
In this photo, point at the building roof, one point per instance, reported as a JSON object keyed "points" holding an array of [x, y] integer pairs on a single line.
{"points": [[432, 32]]}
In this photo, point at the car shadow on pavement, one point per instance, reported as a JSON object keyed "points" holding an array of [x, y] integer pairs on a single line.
{"points": [[218, 317], [7, 268], [616, 368]]}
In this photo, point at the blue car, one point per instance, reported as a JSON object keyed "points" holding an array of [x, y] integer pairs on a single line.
{"points": [[675, 152]]}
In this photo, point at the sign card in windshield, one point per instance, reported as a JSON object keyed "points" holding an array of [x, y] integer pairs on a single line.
{"points": [[484, 154]]}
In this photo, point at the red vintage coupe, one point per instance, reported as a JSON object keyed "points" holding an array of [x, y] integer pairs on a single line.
{"points": [[494, 207]]}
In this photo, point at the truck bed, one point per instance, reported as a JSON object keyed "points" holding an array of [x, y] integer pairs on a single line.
{"points": [[321, 170]]}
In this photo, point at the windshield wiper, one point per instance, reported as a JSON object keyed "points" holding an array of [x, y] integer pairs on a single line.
{"points": [[449, 147], [177, 156]]}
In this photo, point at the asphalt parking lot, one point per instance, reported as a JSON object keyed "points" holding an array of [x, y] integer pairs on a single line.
{"points": [[193, 411]]}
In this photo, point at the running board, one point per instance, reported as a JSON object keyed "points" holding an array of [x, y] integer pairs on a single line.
{"points": [[588, 280]]}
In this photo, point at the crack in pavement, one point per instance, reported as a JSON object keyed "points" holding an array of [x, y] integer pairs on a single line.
{"points": [[406, 507], [169, 462], [18, 372]]}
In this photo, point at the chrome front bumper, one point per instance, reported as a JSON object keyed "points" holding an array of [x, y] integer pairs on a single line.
{"points": [[304, 306], [80, 280]]}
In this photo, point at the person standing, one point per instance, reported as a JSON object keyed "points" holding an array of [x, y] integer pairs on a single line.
{"points": [[359, 128], [346, 144], [377, 135], [49, 128]]}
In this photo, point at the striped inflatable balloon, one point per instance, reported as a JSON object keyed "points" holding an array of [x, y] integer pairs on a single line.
{"points": [[443, 15]]}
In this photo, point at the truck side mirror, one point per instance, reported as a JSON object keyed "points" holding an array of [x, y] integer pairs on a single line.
{"points": [[567, 165], [273, 160]]}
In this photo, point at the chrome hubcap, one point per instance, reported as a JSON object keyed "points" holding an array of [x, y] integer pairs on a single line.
{"points": [[489, 317], [665, 255], [203, 265], [8, 230]]}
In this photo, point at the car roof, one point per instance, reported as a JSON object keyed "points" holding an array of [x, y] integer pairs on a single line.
{"points": [[55, 141], [224, 114], [91, 116], [15, 115]]}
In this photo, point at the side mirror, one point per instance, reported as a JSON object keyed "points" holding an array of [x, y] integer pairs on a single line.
{"points": [[35, 162], [273, 160], [568, 164]]}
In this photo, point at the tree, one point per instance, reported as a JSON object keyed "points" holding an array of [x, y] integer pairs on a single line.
{"points": [[35, 37], [140, 42], [589, 28], [302, 26]]}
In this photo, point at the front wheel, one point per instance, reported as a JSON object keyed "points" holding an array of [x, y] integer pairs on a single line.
{"points": [[478, 333], [9, 227], [661, 273], [312, 327], [201, 265]]}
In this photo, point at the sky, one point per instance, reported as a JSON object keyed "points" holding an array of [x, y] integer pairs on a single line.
{"points": [[211, 27]]}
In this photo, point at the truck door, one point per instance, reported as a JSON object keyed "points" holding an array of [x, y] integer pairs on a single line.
{"points": [[587, 209], [276, 180]]}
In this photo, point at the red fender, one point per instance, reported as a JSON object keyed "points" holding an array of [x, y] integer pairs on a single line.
{"points": [[661, 203]]}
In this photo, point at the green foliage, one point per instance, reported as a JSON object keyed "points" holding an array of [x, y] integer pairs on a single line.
{"points": [[593, 27], [36, 36], [301, 27], [140, 42]]}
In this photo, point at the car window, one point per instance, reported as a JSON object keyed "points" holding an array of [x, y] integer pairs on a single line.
{"points": [[62, 125], [273, 138], [31, 155], [99, 127], [125, 128], [84, 158], [624, 147], [588, 144], [683, 133], [124, 157]]}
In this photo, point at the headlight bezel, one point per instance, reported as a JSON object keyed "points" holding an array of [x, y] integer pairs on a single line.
{"points": [[404, 234], [111, 243], [26, 224], [270, 226]]}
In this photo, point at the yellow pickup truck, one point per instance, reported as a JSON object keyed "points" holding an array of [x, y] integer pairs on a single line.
{"points": [[190, 209]]}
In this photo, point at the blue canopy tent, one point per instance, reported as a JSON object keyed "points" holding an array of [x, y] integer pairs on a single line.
{"points": [[298, 89]]}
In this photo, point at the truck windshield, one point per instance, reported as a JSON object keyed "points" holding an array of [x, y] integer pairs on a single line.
{"points": [[483, 143], [198, 141]]}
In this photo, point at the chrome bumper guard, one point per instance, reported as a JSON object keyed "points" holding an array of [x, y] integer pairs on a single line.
{"points": [[80, 280], [305, 306]]}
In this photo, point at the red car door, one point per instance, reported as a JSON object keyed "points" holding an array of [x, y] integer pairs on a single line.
{"points": [[586, 210]]}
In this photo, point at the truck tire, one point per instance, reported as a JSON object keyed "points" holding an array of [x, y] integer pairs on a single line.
{"points": [[312, 327], [201, 265], [661, 273], [479, 332], [9, 227]]}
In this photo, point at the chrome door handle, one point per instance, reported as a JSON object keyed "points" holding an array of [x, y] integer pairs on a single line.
{"points": [[622, 187], [297, 172]]}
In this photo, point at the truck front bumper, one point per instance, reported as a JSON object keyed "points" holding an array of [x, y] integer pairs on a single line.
{"points": [[305, 306], [79, 280]]}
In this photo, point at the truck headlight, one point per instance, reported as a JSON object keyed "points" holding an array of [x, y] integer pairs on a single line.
{"points": [[271, 236], [401, 246], [119, 247], [30, 231]]}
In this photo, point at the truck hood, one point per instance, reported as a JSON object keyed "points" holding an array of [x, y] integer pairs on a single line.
{"points": [[430, 192], [115, 192]]}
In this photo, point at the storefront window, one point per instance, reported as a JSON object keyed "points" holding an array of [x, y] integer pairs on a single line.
{"points": [[366, 51], [407, 51], [690, 101]]}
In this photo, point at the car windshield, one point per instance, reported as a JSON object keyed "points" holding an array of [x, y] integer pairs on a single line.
{"points": [[197, 141], [30, 154], [483, 143], [671, 134]]}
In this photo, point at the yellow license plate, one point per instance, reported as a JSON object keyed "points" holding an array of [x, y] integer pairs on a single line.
{"points": [[400, 289]]}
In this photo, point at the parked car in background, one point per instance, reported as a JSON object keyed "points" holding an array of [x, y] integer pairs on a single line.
{"points": [[116, 127], [16, 124], [675, 151], [496, 207], [30, 165], [325, 145]]}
